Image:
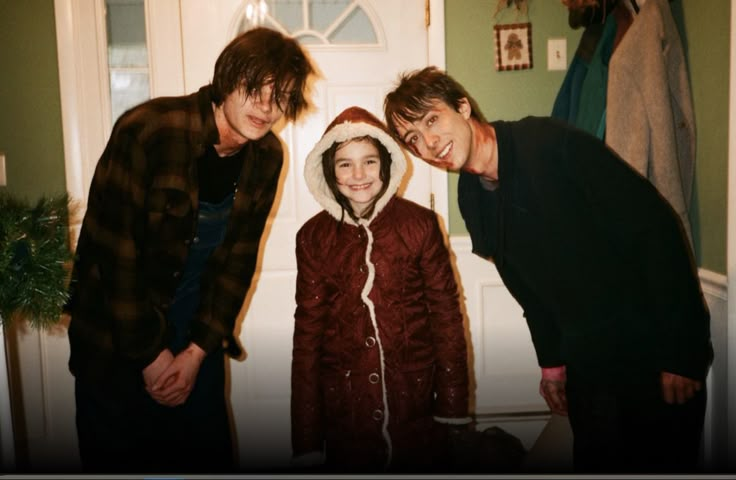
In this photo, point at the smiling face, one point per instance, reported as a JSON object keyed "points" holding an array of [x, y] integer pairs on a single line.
{"points": [[243, 116], [442, 136], [358, 173]]}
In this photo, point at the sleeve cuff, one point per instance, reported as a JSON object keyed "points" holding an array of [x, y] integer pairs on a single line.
{"points": [[205, 337], [554, 373], [454, 421]]}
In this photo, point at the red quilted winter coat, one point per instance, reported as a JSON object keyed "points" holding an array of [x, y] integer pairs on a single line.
{"points": [[379, 357]]}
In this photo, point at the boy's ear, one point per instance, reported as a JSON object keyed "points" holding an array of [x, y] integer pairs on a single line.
{"points": [[464, 108]]}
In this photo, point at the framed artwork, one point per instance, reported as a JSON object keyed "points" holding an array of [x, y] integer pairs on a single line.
{"points": [[513, 46]]}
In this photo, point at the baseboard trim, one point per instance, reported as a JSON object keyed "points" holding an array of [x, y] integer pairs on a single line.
{"points": [[714, 284], [512, 415]]}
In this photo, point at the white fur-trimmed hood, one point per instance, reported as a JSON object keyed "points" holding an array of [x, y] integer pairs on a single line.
{"points": [[352, 122]]}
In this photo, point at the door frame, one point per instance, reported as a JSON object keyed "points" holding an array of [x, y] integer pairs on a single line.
{"points": [[731, 243]]}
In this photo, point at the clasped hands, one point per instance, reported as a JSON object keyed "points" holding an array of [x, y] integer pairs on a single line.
{"points": [[675, 388], [170, 379]]}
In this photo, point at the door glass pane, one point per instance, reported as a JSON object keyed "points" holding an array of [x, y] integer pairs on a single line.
{"points": [[356, 28], [127, 54], [288, 13], [328, 22], [324, 12]]}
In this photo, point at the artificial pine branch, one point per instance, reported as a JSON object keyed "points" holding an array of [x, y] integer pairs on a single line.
{"points": [[34, 259]]}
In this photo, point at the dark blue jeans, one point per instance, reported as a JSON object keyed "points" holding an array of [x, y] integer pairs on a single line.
{"points": [[140, 435], [633, 430]]}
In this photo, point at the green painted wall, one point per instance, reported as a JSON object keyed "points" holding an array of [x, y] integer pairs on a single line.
{"points": [[513, 95], [706, 39], [30, 109], [30, 113]]}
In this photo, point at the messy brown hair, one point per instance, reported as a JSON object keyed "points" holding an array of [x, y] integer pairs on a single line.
{"points": [[416, 93], [260, 57]]}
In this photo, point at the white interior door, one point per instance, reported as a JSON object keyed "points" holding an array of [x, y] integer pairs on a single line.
{"points": [[359, 48]]}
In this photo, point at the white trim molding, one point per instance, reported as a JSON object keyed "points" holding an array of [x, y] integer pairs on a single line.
{"points": [[7, 436], [731, 247], [714, 284], [436, 57], [716, 432], [85, 108]]}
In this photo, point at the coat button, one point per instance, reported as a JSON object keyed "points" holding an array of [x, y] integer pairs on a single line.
{"points": [[374, 378], [377, 414], [370, 341], [195, 239]]}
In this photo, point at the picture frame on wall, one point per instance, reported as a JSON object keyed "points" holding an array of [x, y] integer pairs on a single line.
{"points": [[513, 46]]}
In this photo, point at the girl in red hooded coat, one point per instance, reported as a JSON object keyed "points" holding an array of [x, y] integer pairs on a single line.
{"points": [[379, 363]]}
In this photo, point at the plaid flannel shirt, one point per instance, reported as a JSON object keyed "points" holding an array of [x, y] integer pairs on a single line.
{"points": [[140, 219]]}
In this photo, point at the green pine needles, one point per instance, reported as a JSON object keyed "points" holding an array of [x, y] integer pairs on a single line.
{"points": [[34, 259]]}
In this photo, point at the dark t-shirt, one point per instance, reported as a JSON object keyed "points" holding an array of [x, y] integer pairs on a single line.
{"points": [[218, 175]]}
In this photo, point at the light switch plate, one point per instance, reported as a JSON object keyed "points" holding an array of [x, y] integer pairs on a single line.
{"points": [[556, 54], [3, 180]]}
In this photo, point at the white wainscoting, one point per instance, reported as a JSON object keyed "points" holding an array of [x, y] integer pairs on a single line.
{"points": [[7, 440], [715, 436], [501, 356], [44, 396]]}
